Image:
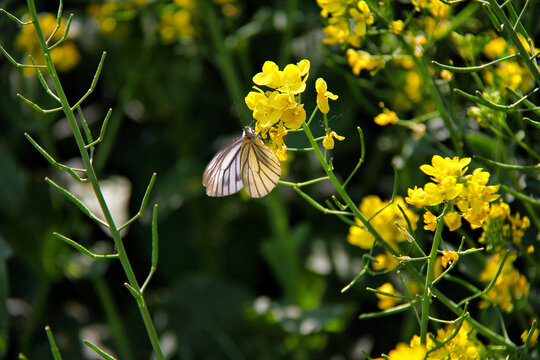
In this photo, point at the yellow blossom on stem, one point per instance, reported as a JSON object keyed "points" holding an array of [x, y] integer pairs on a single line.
{"points": [[361, 60], [407, 352], [469, 193], [446, 75], [279, 108], [452, 220], [430, 221], [65, 56], [383, 221], [328, 141], [448, 257], [323, 95], [385, 301], [363, 17], [396, 27], [495, 48], [385, 261], [386, 117]]}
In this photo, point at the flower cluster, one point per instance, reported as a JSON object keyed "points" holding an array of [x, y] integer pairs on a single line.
{"points": [[501, 228], [511, 74], [470, 194], [347, 21], [383, 218], [362, 60], [279, 108], [108, 14], [461, 345], [65, 56], [510, 285], [176, 22], [435, 7]]}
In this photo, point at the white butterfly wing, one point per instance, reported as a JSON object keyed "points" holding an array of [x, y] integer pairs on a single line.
{"points": [[259, 168], [222, 175]]}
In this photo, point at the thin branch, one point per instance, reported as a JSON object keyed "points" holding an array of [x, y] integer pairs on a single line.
{"points": [[138, 297], [52, 343], [84, 250], [100, 352], [77, 202], [521, 196], [102, 131], [94, 81], [362, 154], [319, 207], [55, 163], [506, 166], [305, 183], [36, 107], [391, 311], [144, 202], [14, 18], [43, 82], [155, 246], [470, 69]]}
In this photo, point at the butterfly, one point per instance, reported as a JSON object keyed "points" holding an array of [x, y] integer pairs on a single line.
{"points": [[242, 162]]}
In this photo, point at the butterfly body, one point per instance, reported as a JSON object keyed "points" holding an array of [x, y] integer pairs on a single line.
{"points": [[242, 162]]}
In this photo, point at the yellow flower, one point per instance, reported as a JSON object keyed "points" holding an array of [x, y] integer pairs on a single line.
{"points": [[414, 86], [495, 48], [384, 222], [295, 117], [448, 257], [446, 75], [363, 18], [419, 41], [462, 345], [270, 75], [385, 261], [386, 117], [396, 27], [337, 32], [323, 95], [441, 168], [328, 141], [177, 23], [278, 109], [359, 60], [470, 193], [385, 301], [408, 352], [64, 56], [452, 220], [430, 220]]}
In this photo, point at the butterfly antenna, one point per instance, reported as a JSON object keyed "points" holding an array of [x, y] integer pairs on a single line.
{"points": [[238, 114]]}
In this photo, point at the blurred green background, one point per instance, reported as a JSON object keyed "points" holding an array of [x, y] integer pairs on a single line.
{"points": [[238, 278]]}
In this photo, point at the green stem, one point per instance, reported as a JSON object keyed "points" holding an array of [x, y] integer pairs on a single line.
{"points": [[341, 191], [93, 179], [429, 277]]}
